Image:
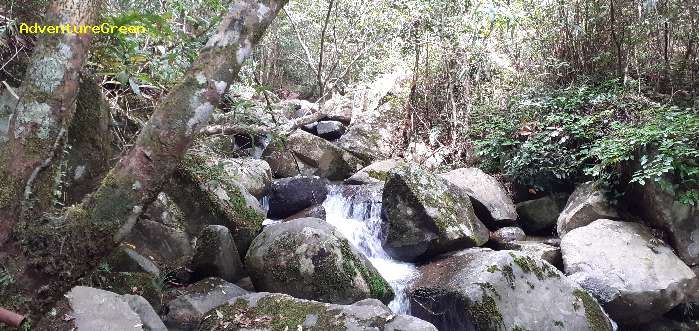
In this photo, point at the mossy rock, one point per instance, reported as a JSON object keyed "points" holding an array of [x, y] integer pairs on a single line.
{"points": [[427, 215], [138, 283], [481, 289], [274, 311], [309, 259]]}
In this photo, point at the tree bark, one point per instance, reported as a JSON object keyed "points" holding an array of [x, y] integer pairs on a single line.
{"points": [[33, 123], [62, 249]]}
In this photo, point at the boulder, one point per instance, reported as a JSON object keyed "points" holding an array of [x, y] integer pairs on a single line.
{"points": [[481, 289], [306, 154], [253, 174], [309, 259], [316, 211], [208, 195], [492, 204], [95, 309], [540, 215], [296, 108], [149, 318], [427, 215], [587, 204], [274, 311], [166, 246], [374, 173], [330, 130], [537, 249], [634, 275], [125, 259], [134, 283], [507, 234], [187, 309], [216, 255], [375, 132], [291, 195], [661, 209]]}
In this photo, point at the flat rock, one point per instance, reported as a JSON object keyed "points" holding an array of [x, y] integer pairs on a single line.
{"points": [[636, 276], [95, 309]]}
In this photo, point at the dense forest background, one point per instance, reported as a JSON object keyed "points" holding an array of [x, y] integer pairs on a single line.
{"points": [[543, 92]]}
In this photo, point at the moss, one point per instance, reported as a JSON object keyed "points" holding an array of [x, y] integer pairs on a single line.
{"points": [[485, 313], [529, 265], [509, 274], [518, 328], [138, 283], [596, 319], [379, 175], [559, 324], [492, 269], [378, 287]]}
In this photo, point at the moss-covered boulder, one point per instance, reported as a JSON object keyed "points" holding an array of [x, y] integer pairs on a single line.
{"points": [[481, 289], [253, 174], [374, 173], [309, 259], [216, 255], [208, 195], [636, 276], [274, 311], [136, 283], [427, 215]]}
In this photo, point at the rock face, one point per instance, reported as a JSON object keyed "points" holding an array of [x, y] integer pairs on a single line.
{"points": [[490, 200], [586, 205], [634, 275], [480, 289], [291, 195], [427, 215], [680, 221], [537, 249], [311, 155], [375, 130], [330, 130], [541, 214], [95, 309], [254, 175], [217, 255], [374, 173], [309, 259], [186, 310], [274, 311]]}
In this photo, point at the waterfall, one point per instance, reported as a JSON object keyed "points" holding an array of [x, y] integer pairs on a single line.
{"points": [[360, 223]]}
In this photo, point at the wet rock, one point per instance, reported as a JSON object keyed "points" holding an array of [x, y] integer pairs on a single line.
{"points": [[330, 130], [587, 204], [306, 154], [309, 259], [274, 311], [507, 234], [95, 309], [376, 172], [665, 324], [481, 289], [149, 318], [208, 195], [634, 275], [426, 215], [291, 195], [681, 221], [216, 255], [540, 215], [253, 174], [187, 309], [490, 200], [316, 211]]}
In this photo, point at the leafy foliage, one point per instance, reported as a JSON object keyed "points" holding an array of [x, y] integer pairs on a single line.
{"points": [[601, 131]]}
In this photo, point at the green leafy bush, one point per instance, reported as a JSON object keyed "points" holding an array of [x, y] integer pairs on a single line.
{"points": [[603, 132]]}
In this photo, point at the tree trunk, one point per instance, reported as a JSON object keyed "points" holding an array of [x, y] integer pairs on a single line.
{"points": [[62, 249]]}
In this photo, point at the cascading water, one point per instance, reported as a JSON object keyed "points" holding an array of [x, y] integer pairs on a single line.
{"points": [[360, 223]]}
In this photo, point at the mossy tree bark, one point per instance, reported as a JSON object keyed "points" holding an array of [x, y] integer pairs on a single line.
{"points": [[56, 251], [34, 119]]}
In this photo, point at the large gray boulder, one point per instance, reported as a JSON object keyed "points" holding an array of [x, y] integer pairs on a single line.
{"points": [[253, 174], [427, 215], [507, 234], [274, 311], [492, 204], [634, 275], [481, 289], [309, 259], [149, 318], [217, 255], [305, 154], [185, 311], [538, 215], [291, 195], [681, 221], [330, 130], [374, 173], [587, 204]]}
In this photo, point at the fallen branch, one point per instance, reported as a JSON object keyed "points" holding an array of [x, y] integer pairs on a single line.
{"points": [[283, 130], [11, 318]]}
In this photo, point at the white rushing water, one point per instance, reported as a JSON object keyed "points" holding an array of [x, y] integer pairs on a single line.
{"points": [[360, 223]]}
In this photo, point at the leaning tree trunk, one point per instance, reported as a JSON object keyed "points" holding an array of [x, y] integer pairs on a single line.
{"points": [[59, 250], [34, 119]]}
